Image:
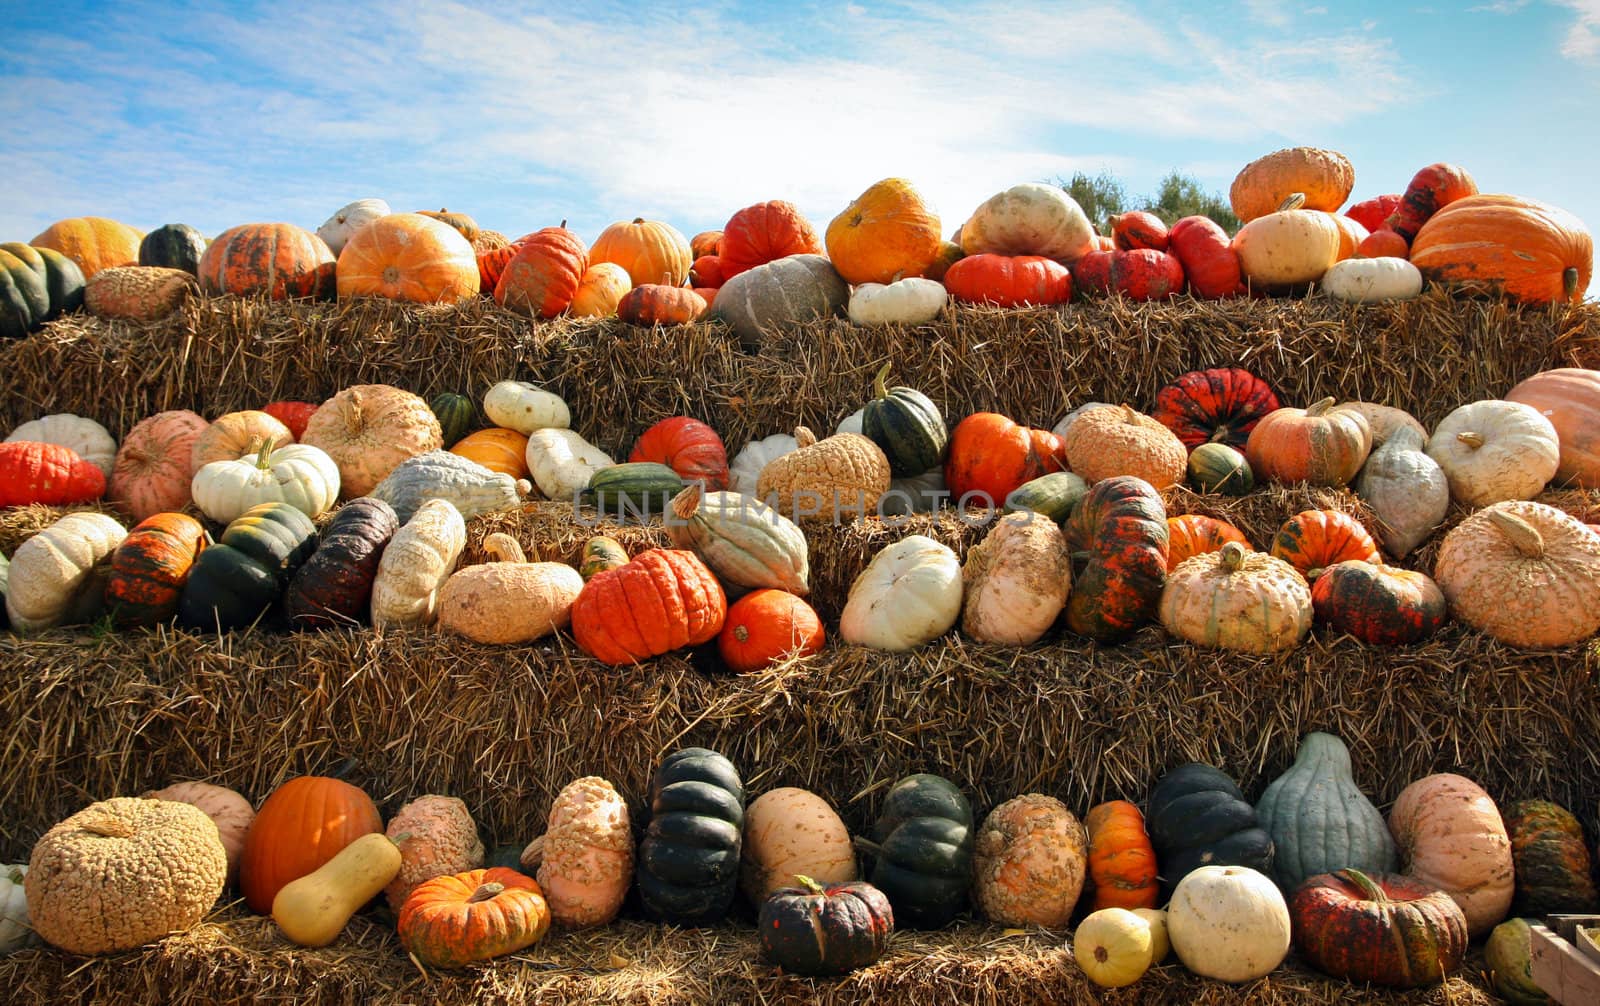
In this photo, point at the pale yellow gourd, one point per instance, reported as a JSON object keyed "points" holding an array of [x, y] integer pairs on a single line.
{"points": [[1160, 943], [415, 565], [313, 910], [1114, 947], [1289, 247]]}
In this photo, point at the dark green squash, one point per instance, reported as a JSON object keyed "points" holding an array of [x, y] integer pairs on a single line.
{"points": [[1053, 496], [63, 280], [1319, 819], [907, 426], [688, 864], [639, 489], [1508, 957], [1552, 862], [173, 246], [1218, 468], [237, 579], [921, 849], [456, 414], [1197, 817], [1120, 529], [825, 931], [24, 301], [334, 587]]}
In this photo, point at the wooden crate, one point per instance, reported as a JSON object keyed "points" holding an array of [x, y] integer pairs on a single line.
{"points": [[1566, 959]]}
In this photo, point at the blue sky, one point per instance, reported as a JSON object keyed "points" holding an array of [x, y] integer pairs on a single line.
{"points": [[527, 115]]}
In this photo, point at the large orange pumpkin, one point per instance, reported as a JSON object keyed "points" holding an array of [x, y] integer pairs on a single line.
{"points": [[544, 275], [765, 626], [455, 919], [1570, 398], [302, 825], [281, 261], [662, 600], [765, 233], [991, 456], [1193, 534], [651, 251], [1324, 445], [1526, 250], [886, 233], [409, 257], [32, 472], [94, 243], [687, 446], [1009, 280]]}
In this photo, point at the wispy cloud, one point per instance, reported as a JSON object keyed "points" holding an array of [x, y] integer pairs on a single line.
{"points": [[1582, 41], [1499, 7]]}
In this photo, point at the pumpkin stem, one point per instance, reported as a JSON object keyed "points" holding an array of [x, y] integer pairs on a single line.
{"points": [[1129, 416], [1569, 280], [865, 845], [880, 387], [687, 503], [1524, 537], [810, 885], [1366, 885], [264, 456], [107, 826], [1472, 440], [1318, 408], [504, 548], [1294, 202], [533, 856], [1233, 555], [487, 891], [803, 437], [636, 220]]}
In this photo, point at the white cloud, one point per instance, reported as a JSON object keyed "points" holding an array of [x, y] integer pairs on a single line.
{"points": [[1269, 12], [1499, 7], [1582, 41]]}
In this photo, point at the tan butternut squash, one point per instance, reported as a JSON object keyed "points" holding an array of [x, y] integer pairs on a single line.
{"points": [[313, 910]]}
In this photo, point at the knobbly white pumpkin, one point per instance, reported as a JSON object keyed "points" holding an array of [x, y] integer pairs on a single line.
{"points": [[92, 442], [908, 595], [300, 475], [415, 565], [1016, 581], [1029, 219], [904, 302], [562, 462], [339, 228], [1492, 451], [524, 407], [1372, 280]]}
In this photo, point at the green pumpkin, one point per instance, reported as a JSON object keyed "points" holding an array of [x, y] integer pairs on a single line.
{"points": [[1218, 468], [334, 587], [62, 279], [641, 489], [24, 301], [457, 416], [1552, 861], [239, 577], [921, 849], [1319, 819], [173, 246], [825, 931], [1509, 957], [1052, 495], [1198, 817], [688, 864], [907, 426]]}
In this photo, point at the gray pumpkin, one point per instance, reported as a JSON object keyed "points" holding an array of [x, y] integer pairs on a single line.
{"points": [[473, 488], [790, 291], [1319, 819], [1406, 489]]}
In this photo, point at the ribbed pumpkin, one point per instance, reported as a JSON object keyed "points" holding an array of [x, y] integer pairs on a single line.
{"points": [[31, 472], [1495, 450], [656, 304], [1324, 445], [499, 450], [87, 438], [1431, 190], [150, 567], [1219, 406], [1406, 489], [1450, 836], [303, 824], [1554, 873], [1139, 275], [1028, 862], [1009, 280], [662, 600], [1236, 599], [1569, 397], [688, 862], [492, 262], [1520, 248], [1197, 816], [1191, 534], [651, 252], [456, 919], [1378, 928], [93, 243], [408, 257], [544, 274], [743, 540], [1313, 540], [1209, 262], [1016, 581], [1121, 525], [1325, 177], [1218, 468], [886, 233], [1107, 442], [1122, 863], [36, 285], [601, 290], [990, 456], [765, 233], [1378, 604], [279, 261], [334, 586], [368, 430], [155, 463], [138, 293], [54, 576], [766, 626], [238, 434], [921, 849], [235, 580], [824, 479], [1288, 248], [1319, 819]]}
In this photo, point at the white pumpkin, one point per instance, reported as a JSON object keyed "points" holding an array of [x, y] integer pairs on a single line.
{"points": [[1066, 420], [1029, 219], [300, 475], [1406, 489], [1384, 420], [752, 457], [15, 932], [903, 302], [1228, 923], [415, 565], [562, 462], [524, 407], [1016, 581], [1492, 451], [50, 570], [908, 595], [91, 441], [338, 229], [1371, 280]]}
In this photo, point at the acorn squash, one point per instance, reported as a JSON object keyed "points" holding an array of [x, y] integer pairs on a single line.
{"points": [[234, 581], [688, 863]]}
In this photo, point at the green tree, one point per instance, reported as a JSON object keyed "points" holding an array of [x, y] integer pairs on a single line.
{"points": [[1101, 197], [1181, 196]]}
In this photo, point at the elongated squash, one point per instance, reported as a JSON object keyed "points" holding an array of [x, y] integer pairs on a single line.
{"points": [[313, 910]]}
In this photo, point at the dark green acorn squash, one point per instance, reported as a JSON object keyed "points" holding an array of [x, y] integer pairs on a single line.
{"points": [[825, 931], [456, 414], [1053, 496], [636, 488], [688, 865], [62, 279], [907, 426], [1120, 530], [922, 851], [173, 246], [1552, 861], [1319, 819], [24, 300], [334, 587], [239, 577], [1218, 468], [1198, 817]]}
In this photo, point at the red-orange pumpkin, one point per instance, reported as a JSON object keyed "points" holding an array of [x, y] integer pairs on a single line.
{"points": [[1139, 229], [1383, 243], [1122, 863], [492, 261], [1141, 274], [1371, 213], [1221, 405], [499, 450], [1313, 540], [661, 600], [1209, 262], [765, 233], [1431, 190], [991, 456], [281, 261], [766, 626], [655, 304], [302, 825], [687, 446], [1009, 280], [1524, 249], [32, 472], [1193, 534], [706, 271], [150, 567], [543, 276], [705, 243], [294, 415], [455, 919]]}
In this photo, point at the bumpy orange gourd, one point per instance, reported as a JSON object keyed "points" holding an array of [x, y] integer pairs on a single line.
{"points": [[584, 858], [1028, 862], [886, 233], [436, 835], [1122, 863], [408, 257], [1106, 442], [368, 430], [138, 293]]}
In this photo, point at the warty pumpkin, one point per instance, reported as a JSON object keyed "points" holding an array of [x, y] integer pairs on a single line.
{"points": [[921, 849], [1430, 190], [1406, 489], [408, 257], [1016, 581], [886, 233], [1378, 928], [1108, 442], [1313, 540], [508, 599], [990, 456], [1121, 526], [155, 463], [92, 243], [368, 430], [763, 233], [543, 274], [1323, 444], [1451, 837], [1378, 604], [1029, 219], [33, 472], [766, 626], [742, 539], [1190, 535], [434, 835], [1236, 599], [415, 565], [1319, 819], [1122, 862], [1523, 249], [584, 859], [823, 479], [455, 919], [1289, 247], [1228, 922], [228, 810], [908, 595], [150, 566], [790, 832], [1324, 177], [278, 261], [1553, 869], [334, 586], [138, 293], [1495, 450], [1009, 280], [87, 438], [52, 570], [303, 823], [659, 601], [1028, 862], [1569, 397], [1221, 405], [688, 862]]}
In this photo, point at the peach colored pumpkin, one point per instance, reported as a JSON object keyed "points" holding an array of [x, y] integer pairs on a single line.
{"points": [[436, 836], [237, 434], [1016, 581], [1451, 836], [585, 857], [1106, 442], [368, 430], [1029, 862], [791, 832], [231, 813], [1570, 398], [1325, 445], [601, 290], [155, 463]]}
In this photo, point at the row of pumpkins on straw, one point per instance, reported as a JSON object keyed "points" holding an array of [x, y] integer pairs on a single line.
{"points": [[885, 260], [1312, 863], [1521, 571]]}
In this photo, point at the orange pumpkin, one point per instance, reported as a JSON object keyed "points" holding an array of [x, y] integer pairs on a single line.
{"points": [[993, 456], [765, 233], [1431, 190], [1351, 234], [706, 271], [302, 825], [503, 451], [886, 233], [492, 261], [281, 261], [656, 304], [1383, 243], [155, 463], [603, 287], [1122, 863], [1323, 445], [458, 222], [1009, 280], [94, 243], [1192, 534], [1524, 249], [544, 275], [705, 243], [651, 251], [687, 446], [766, 626], [1570, 398], [1313, 540], [455, 919], [150, 567], [408, 257], [662, 600]]}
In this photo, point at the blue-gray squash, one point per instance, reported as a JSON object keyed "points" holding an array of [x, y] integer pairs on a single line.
{"points": [[790, 291], [1319, 819]]}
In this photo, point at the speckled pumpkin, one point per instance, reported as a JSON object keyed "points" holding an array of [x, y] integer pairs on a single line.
{"points": [[279, 261], [1378, 604], [790, 832], [155, 463], [1451, 836], [1106, 442], [1029, 862], [508, 600], [1235, 599]]}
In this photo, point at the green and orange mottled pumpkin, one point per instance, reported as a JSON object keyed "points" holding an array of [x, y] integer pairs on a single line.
{"points": [[279, 261], [1554, 872], [1216, 406], [150, 567], [1378, 604], [1121, 525], [1313, 540]]}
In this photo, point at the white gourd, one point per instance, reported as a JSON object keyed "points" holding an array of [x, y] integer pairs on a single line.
{"points": [[1492, 451], [1228, 922], [904, 302], [1029, 219], [91, 441], [300, 475], [49, 570], [473, 488], [562, 462], [754, 456], [15, 932], [1406, 489], [908, 595], [524, 407], [1016, 581], [1372, 280], [415, 565], [339, 228]]}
